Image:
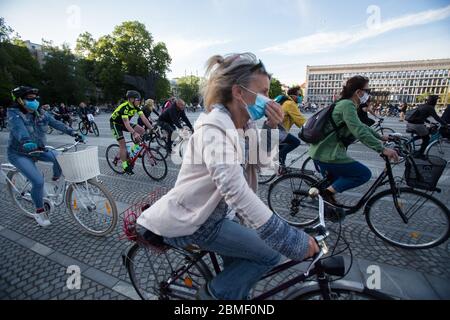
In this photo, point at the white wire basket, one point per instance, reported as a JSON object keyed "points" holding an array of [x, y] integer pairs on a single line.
{"points": [[80, 166]]}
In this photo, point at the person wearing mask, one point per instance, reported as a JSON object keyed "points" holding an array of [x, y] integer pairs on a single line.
{"points": [[292, 116], [28, 125], [331, 155], [418, 118], [194, 212]]}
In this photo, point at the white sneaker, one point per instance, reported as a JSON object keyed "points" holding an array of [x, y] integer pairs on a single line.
{"points": [[42, 219]]}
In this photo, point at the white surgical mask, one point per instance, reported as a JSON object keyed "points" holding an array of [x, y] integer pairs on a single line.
{"points": [[364, 98]]}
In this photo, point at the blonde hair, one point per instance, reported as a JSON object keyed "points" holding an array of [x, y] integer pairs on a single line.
{"points": [[150, 104], [224, 72]]}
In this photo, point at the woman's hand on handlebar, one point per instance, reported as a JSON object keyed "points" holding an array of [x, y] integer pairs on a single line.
{"points": [[313, 248], [391, 154]]}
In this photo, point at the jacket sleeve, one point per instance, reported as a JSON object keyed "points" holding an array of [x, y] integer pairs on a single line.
{"points": [[173, 117], [435, 116], [186, 120], [16, 126], [360, 131], [52, 122], [221, 158], [295, 114]]}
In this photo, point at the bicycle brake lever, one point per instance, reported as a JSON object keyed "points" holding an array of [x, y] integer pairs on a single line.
{"points": [[316, 259]]}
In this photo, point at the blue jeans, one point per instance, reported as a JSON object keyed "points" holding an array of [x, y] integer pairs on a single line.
{"points": [[289, 144], [28, 168], [245, 255], [345, 176]]}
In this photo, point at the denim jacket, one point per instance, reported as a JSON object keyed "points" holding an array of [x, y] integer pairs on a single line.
{"points": [[31, 127]]}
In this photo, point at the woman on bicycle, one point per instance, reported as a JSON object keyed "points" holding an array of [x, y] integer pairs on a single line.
{"points": [[28, 125], [213, 177], [330, 155]]}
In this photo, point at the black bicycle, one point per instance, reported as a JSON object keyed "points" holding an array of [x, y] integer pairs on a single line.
{"points": [[88, 125], [159, 271], [401, 216]]}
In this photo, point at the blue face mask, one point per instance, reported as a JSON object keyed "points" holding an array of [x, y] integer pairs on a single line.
{"points": [[299, 99], [257, 110], [32, 105]]}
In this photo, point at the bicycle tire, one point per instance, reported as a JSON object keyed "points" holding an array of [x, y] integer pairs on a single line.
{"points": [[340, 289], [296, 201], [439, 149], [155, 160], [110, 206], [95, 129], [149, 289], [113, 159], [263, 179], [309, 165], [82, 128], [369, 213], [28, 212], [385, 130]]}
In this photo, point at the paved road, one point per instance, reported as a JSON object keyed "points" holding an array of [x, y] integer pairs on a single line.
{"points": [[33, 261]]}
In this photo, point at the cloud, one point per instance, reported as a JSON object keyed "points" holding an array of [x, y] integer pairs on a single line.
{"points": [[327, 41]]}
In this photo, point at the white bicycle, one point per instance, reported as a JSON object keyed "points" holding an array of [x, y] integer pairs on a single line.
{"points": [[90, 204]]}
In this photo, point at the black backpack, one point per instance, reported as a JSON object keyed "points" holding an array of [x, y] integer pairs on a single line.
{"points": [[411, 115], [314, 129]]}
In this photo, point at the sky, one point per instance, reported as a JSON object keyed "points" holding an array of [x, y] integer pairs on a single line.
{"points": [[287, 35]]}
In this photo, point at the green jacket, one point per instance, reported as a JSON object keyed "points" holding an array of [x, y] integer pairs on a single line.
{"points": [[331, 149]]}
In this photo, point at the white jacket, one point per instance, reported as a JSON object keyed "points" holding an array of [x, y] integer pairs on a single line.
{"points": [[211, 171]]}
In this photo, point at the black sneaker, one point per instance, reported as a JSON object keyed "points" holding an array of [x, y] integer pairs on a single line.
{"points": [[334, 215], [129, 171], [329, 197]]}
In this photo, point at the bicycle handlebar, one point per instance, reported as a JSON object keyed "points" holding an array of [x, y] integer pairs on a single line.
{"points": [[63, 149]]}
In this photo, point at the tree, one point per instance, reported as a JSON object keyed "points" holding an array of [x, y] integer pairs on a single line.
{"points": [[423, 97], [64, 77], [189, 88], [163, 89], [17, 66], [130, 50], [5, 31], [276, 88]]}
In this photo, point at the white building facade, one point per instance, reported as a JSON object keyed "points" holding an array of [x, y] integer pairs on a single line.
{"points": [[391, 82]]}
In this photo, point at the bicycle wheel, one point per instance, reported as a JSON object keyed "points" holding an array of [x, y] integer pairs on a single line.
{"points": [[149, 271], [265, 177], [21, 199], [113, 159], [440, 149], [92, 207], [428, 222], [384, 131], [339, 292], [82, 128], [154, 164], [95, 129], [289, 199], [309, 166]]}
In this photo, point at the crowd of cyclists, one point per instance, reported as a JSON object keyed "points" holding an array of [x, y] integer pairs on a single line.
{"points": [[214, 204]]}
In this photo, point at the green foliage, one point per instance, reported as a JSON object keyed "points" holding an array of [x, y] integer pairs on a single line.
{"points": [[276, 88], [189, 88], [95, 65]]}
